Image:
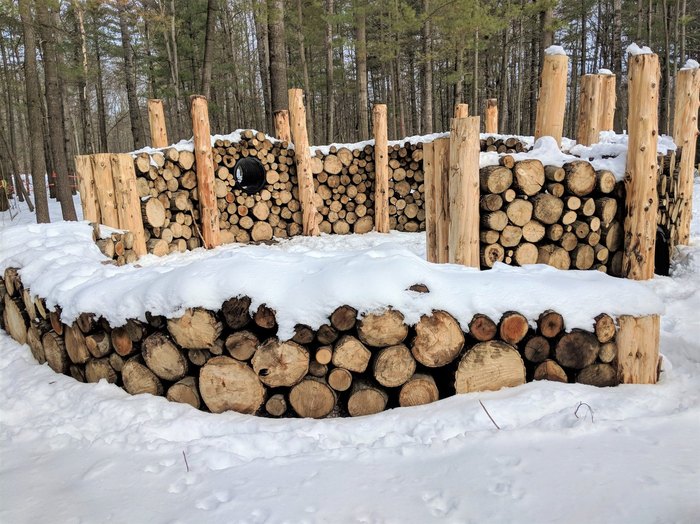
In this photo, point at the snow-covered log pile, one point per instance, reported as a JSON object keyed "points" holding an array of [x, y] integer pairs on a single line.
{"points": [[670, 199]]}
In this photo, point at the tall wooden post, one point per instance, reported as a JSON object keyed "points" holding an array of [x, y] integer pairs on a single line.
{"points": [[642, 200], [104, 186], [127, 199], [464, 191], [430, 206], [302, 158], [441, 168], [282, 131], [88, 191], [685, 132], [381, 166], [491, 116], [589, 110], [608, 102], [638, 349], [551, 102], [156, 121], [204, 161], [461, 110]]}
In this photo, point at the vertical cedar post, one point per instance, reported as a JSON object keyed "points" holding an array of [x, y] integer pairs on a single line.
{"points": [[381, 166], [127, 199], [430, 207], [86, 186], [551, 102], [104, 186], [685, 132], [608, 102], [302, 157], [282, 131], [638, 349], [464, 191], [491, 116], [589, 110], [441, 170], [204, 162], [641, 176], [461, 110], [156, 121]]}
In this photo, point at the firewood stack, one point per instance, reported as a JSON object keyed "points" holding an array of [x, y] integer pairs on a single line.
{"points": [[502, 145], [118, 246], [670, 201], [567, 217], [232, 360]]}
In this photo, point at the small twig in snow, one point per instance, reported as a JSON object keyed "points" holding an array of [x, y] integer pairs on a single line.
{"points": [[590, 409], [186, 464], [489, 414]]}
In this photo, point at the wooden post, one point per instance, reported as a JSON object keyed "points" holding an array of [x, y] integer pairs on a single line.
{"points": [[461, 110], [204, 162], [551, 102], [429, 176], [608, 102], [381, 166], [491, 118], [156, 121], [638, 349], [104, 186], [127, 199], [589, 114], [642, 200], [685, 132], [282, 131], [464, 192], [441, 169], [88, 192], [302, 157]]}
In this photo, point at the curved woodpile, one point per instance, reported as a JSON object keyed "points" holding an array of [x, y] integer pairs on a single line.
{"points": [[231, 359]]}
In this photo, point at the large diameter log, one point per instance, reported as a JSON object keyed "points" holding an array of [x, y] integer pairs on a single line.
{"points": [[196, 329], [601, 375], [489, 366], [241, 345], [138, 379], [577, 349], [280, 363], [312, 398], [551, 103], [529, 176], [97, 369], [382, 329], [153, 212], [550, 370], [226, 384], [185, 391], [16, 319], [76, 346], [393, 366], [164, 358], [438, 340], [55, 352], [580, 177], [351, 354], [420, 389], [366, 399]]}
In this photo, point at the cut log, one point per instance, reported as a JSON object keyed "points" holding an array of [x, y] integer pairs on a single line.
{"points": [[303, 334], [16, 319], [420, 389], [317, 370], [121, 341], [550, 370], [55, 352], [276, 405], [75, 345], [512, 327], [280, 363], [605, 181], [28, 301], [138, 379], [606, 210], [13, 284], [526, 253], [608, 352], [601, 375], [262, 231], [438, 340], [555, 256], [326, 334], [241, 345], [153, 212], [35, 333], [312, 398], [196, 329], [97, 369], [547, 208], [185, 391], [393, 366], [324, 355], [227, 384], [86, 322], [491, 202], [351, 354], [577, 349], [554, 173], [511, 236], [495, 179], [489, 366], [533, 231], [236, 312], [537, 349], [519, 211], [580, 177], [496, 220], [344, 318], [550, 324], [164, 358], [77, 372], [366, 399], [604, 328], [583, 256], [492, 253], [529, 176], [340, 379], [382, 329], [482, 328], [264, 317]]}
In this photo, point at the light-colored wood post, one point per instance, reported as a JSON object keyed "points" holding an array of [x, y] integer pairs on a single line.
{"points": [[608, 102], [204, 162], [641, 175], [381, 167], [430, 207], [104, 187], [156, 121], [282, 131], [441, 169], [86, 186], [302, 158], [685, 132], [551, 102], [127, 199], [589, 110], [491, 116], [464, 191], [638, 349], [461, 110]]}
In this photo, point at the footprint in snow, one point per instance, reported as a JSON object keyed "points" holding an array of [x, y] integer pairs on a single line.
{"points": [[438, 504], [98, 469], [213, 501]]}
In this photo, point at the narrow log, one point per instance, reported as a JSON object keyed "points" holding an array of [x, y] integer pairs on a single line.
{"points": [[550, 370], [537, 349], [491, 118], [381, 187], [482, 328], [227, 384], [16, 319], [264, 317], [236, 312], [55, 351], [489, 366], [340, 379], [366, 399], [550, 324], [438, 341], [35, 334], [76, 346], [156, 122], [608, 352], [420, 389], [604, 328], [276, 405], [280, 363]]}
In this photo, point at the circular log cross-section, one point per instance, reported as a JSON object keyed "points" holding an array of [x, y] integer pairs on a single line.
{"points": [[550, 370], [601, 375], [312, 398], [420, 389], [280, 364], [482, 328], [513, 327], [366, 399], [340, 379], [138, 379], [76, 346], [55, 352], [550, 324], [227, 384], [382, 329], [393, 366], [438, 341], [489, 366], [98, 369], [196, 329], [16, 320], [577, 349], [164, 358], [351, 354], [185, 391], [241, 345]]}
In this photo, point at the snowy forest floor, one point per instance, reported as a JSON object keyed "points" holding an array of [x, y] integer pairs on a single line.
{"points": [[72, 452]]}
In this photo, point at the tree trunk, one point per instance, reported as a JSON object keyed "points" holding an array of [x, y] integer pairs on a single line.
{"points": [[134, 113], [330, 104], [427, 92], [260, 18], [305, 72], [82, 59], [361, 54], [212, 8], [278, 57]]}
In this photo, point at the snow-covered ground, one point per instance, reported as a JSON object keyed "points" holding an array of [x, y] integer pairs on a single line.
{"points": [[72, 452]]}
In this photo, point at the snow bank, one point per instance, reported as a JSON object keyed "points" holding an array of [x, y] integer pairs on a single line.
{"points": [[303, 280], [555, 50], [633, 49]]}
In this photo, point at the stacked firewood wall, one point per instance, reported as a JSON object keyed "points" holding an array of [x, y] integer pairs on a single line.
{"points": [[233, 360], [670, 201]]}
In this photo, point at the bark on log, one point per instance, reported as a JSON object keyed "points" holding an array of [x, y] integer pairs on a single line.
{"points": [[547, 208], [340, 379], [438, 341], [537, 349], [601, 375], [55, 351], [529, 176], [16, 319], [276, 405], [164, 358], [550, 324], [577, 349], [227, 384], [608, 352], [344, 318], [138, 379], [482, 328], [495, 179], [236, 312], [580, 177], [97, 369], [489, 366], [604, 328], [75, 345], [512, 327]]}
